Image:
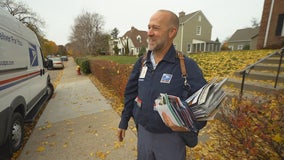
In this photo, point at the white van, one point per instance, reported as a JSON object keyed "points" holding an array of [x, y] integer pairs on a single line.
{"points": [[24, 82]]}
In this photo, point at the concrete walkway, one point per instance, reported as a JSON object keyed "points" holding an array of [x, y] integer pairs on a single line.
{"points": [[78, 124]]}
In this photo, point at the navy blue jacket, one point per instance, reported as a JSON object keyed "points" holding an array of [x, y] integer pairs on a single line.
{"points": [[150, 87]]}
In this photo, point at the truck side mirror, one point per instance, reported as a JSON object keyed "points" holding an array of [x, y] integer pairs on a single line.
{"points": [[48, 64]]}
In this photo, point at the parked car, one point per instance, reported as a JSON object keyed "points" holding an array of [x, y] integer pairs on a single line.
{"points": [[64, 58], [25, 84], [57, 63]]}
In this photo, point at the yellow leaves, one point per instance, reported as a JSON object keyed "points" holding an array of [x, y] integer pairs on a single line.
{"points": [[91, 154], [118, 144], [56, 81], [280, 98], [47, 126], [132, 140], [65, 145], [102, 155], [224, 64], [277, 138], [40, 149], [49, 47]]}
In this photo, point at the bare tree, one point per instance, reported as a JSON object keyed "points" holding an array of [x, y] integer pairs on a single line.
{"points": [[24, 14], [103, 44], [87, 32], [254, 22]]}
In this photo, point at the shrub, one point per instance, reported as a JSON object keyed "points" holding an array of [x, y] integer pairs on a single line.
{"points": [[245, 130], [142, 51], [84, 64], [246, 47], [114, 76]]}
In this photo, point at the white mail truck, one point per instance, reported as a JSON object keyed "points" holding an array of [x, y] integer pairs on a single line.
{"points": [[25, 85]]}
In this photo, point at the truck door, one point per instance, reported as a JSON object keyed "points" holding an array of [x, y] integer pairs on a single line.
{"points": [[38, 82]]}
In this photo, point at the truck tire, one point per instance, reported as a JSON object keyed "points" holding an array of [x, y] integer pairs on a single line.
{"points": [[50, 90], [16, 133]]}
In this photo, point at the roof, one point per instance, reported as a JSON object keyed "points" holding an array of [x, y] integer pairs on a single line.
{"points": [[245, 34], [184, 18], [133, 34]]}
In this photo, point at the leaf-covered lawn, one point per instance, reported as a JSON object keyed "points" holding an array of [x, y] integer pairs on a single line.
{"points": [[224, 64]]}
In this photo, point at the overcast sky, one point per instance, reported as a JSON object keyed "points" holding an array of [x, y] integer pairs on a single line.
{"points": [[226, 16]]}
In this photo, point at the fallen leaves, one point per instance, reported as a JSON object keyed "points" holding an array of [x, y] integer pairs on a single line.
{"points": [[40, 149], [278, 138], [118, 144], [101, 155], [65, 145], [224, 64], [47, 125]]}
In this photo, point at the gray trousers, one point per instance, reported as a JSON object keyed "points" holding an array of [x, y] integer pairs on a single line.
{"points": [[160, 146]]}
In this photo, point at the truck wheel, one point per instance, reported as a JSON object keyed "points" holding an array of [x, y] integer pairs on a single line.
{"points": [[16, 133], [50, 90]]}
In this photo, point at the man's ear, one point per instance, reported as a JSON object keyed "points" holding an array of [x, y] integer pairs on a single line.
{"points": [[173, 32]]}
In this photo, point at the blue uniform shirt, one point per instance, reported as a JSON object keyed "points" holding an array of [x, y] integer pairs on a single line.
{"points": [[143, 88]]}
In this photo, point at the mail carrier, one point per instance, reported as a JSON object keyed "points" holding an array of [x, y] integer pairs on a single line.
{"points": [[24, 82]]}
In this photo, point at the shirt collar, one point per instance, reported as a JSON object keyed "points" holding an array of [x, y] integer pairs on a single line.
{"points": [[169, 57], [153, 60]]}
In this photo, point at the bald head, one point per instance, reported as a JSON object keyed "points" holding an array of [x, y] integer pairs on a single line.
{"points": [[172, 18]]}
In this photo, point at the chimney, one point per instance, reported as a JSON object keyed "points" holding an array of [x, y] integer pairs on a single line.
{"points": [[181, 14]]}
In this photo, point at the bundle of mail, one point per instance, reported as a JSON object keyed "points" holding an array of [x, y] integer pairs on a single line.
{"points": [[201, 106]]}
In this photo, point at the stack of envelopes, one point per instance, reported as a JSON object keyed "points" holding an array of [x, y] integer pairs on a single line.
{"points": [[201, 106]]}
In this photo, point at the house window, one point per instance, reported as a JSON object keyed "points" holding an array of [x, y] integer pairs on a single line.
{"points": [[280, 25], [138, 38], [198, 30], [188, 47], [122, 50], [231, 47], [240, 47], [199, 18]]}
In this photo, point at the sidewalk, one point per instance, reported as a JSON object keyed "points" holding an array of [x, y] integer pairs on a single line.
{"points": [[78, 124]]}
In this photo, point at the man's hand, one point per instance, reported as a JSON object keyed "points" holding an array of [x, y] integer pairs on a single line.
{"points": [[120, 134], [171, 125]]}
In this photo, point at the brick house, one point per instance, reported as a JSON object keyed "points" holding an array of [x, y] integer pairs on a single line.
{"points": [[135, 40], [271, 32]]}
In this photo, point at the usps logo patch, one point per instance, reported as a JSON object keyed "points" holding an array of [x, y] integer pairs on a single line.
{"points": [[166, 78], [33, 55]]}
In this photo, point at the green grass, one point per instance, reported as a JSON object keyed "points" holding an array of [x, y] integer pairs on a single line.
{"points": [[236, 58], [119, 59]]}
